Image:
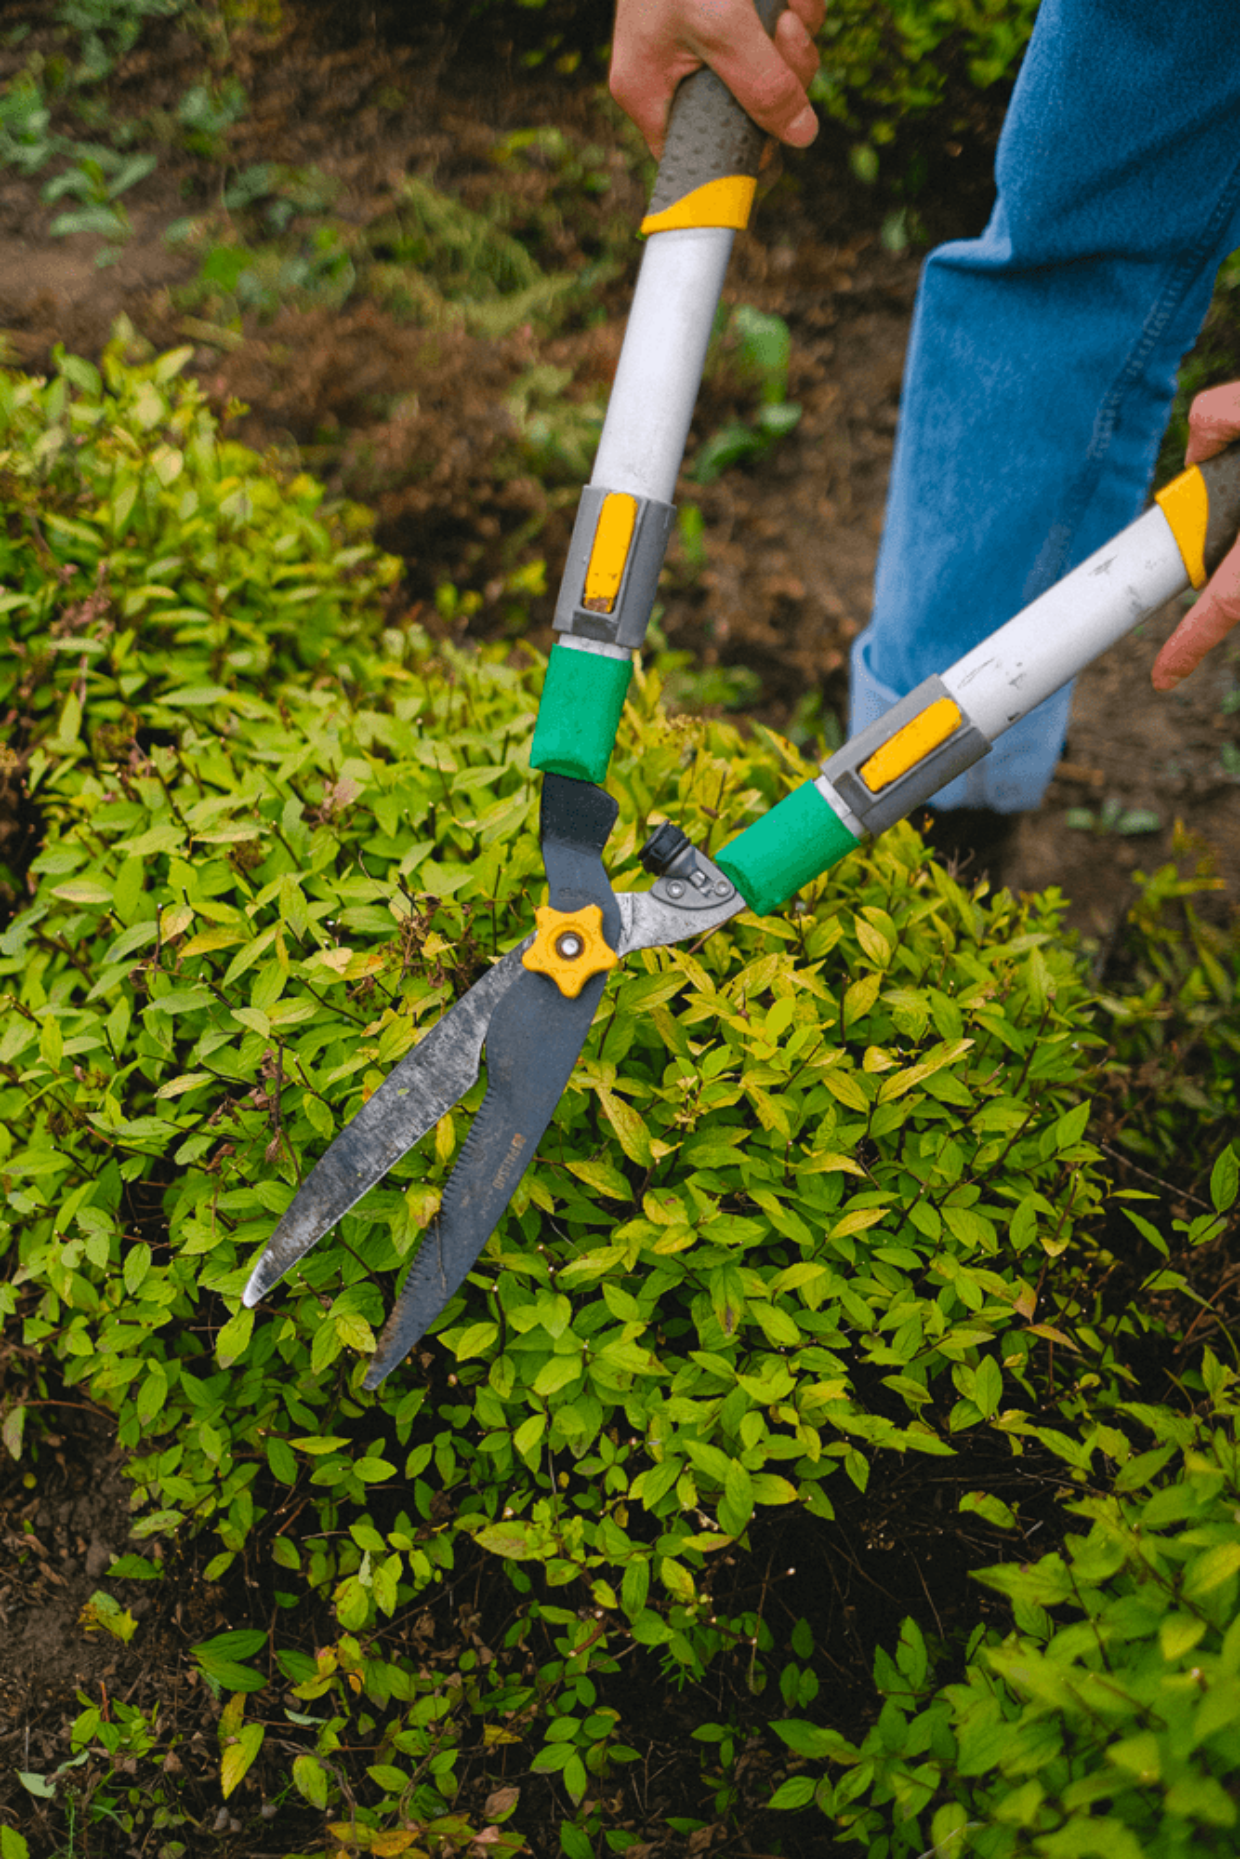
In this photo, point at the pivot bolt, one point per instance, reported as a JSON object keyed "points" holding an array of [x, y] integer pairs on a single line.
{"points": [[569, 946]]}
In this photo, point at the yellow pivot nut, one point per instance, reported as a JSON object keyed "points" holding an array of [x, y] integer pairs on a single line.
{"points": [[569, 947]]}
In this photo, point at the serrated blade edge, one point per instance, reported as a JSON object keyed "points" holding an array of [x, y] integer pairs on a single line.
{"points": [[423, 1087]]}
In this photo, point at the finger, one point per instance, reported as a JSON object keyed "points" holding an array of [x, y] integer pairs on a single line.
{"points": [[811, 13], [1209, 620], [1213, 421], [765, 85], [796, 47]]}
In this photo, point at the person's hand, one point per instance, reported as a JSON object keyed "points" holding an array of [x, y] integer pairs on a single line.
{"points": [[658, 42], [1213, 421]]}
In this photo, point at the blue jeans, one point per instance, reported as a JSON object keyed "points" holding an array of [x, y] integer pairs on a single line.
{"points": [[1043, 355]]}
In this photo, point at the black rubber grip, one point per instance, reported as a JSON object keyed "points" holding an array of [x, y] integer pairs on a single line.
{"points": [[709, 136], [1222, 476]]}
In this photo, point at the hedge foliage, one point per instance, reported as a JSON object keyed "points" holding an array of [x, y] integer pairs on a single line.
{"points": [[1106, 1722], [820, 1189]]}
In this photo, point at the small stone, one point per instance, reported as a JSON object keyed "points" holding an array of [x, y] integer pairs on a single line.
{"points": [[98, 1556]]}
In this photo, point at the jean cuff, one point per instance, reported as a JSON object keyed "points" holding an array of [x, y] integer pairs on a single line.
{"points": [[1015, 775]]}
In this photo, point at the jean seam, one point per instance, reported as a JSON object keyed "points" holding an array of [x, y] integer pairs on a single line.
{"points": [[1180, 276]]}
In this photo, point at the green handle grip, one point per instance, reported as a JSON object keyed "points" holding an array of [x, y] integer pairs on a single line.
{"points": [[582, 698], [711, 156], [795, 842]]}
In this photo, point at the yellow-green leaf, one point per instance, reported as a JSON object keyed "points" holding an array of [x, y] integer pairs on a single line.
{"points": [[239, 1756], [310, 1780], [233, 1340], [860, 997], [902, 1081], [631, 1132]]}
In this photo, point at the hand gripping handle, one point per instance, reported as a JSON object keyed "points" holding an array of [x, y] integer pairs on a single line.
{"points": [[712, 153], [702, 195]]}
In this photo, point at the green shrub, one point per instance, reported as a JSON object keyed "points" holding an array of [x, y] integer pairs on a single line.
{"points": [[794, 1209], [887, 66], [1105, 1721], [1168, 994], [141, 553]]}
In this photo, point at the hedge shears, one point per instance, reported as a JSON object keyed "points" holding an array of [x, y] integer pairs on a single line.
{"points": [[532, 1011]]}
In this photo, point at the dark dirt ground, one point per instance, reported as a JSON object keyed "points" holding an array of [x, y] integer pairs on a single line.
{"points": [[417, 425]]}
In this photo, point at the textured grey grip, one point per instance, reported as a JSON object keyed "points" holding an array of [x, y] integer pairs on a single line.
{"points": [[1222, 476], [709, 136]]}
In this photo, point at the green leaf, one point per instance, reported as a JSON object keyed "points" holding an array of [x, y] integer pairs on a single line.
{"points": [[797, 1791], [392, 1780], [104, 1613], [239, 1643], [556, 1373], [770, 1488], [134, 1568], [635, 1585], [988, 1386], [12, 1429], [631, 1132], [602, 1178], [232, 1677], [1210, 1570], [281, 1459], [475, 1340], [677, 1579], [234, 1339], [529, 1433], [993, 1509], [353, 1604], [737, 1504], [239, 1756], [159, 1523], [374, 1471], [1202, 1798], [516, 1541], [310, 1779], [1225, 1180], [813, 1740], [12, 1845]]}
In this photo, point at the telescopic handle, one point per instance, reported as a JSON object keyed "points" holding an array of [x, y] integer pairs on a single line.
{"points": [[924, 740], [702, 197]]}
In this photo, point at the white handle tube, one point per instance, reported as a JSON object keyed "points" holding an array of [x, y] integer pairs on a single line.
{"points": [[661, 362], [1065, 629]]}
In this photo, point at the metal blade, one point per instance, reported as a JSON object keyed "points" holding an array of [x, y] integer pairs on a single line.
{"points": [[535, 1038], [410, 1101]]}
